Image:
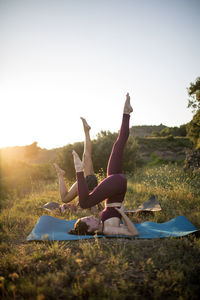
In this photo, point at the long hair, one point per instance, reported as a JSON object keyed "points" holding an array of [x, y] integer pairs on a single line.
{"points": [[81, 228]]}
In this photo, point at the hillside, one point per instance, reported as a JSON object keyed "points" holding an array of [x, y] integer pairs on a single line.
{"points": [[163, 148], [145, 130], [149, 148]]}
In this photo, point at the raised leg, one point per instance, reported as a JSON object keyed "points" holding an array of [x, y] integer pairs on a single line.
{"points": [[116, 156], [87, 154], [113, 188]]}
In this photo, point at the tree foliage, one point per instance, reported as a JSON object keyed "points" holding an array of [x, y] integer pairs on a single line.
{"points": [[174, 131], [65, 159], [31, 151], [102, 147], [193, 127], [146, 130], [194, 95]]}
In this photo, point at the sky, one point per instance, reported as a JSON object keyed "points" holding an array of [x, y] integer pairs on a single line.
{"points": [[63, 59]]}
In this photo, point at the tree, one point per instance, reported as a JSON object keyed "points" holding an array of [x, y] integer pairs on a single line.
{"points": [[65, 159], [31, 151], [194, 95], [175, 131], [193, 128], [102, 147]]}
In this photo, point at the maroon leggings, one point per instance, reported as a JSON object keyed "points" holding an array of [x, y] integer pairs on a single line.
{"points": [[113, 187]]}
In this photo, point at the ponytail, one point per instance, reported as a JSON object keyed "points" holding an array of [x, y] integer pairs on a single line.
{"points": [[80, 228]]}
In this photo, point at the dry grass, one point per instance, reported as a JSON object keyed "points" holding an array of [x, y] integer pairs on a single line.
{"points": [[104, 268]]}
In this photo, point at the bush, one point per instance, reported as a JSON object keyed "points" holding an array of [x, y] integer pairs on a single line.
{"points": [[65, 159], [170, 137], [102, 147], [156, 160], [20, 177]]}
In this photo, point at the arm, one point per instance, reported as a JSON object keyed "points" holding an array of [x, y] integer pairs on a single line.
{"points": [[111, 230], [122, 210], [130, 226]]}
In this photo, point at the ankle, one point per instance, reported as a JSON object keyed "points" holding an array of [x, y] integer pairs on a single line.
{"points": [[78, 169]]}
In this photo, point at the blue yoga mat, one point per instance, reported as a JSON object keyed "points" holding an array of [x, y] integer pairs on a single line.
{"points": [[54, 229]]}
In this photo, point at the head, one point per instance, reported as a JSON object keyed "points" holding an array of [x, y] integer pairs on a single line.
{"points": [[91, 182], [86, 226]]}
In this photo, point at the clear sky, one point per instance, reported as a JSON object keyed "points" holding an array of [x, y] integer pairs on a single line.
{"points": [[62, 59]]}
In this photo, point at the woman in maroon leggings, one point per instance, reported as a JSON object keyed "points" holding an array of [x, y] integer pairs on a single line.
{"points": [[112, 189]]}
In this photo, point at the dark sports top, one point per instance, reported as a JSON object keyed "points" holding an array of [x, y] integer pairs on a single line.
{"points": [[109, 212]]}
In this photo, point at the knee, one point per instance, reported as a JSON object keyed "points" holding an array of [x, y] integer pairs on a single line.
{"points": [[84, 205]]}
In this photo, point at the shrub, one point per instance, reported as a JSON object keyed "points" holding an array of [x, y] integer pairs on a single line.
{"points": [[102, 148]]}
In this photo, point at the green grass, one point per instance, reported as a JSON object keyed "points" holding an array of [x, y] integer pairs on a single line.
{"points": [[104, 268]]}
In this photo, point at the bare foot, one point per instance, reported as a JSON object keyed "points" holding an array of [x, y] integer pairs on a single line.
{"points": [[58, 169], [85, 124], [127, 106], [77, 162]]}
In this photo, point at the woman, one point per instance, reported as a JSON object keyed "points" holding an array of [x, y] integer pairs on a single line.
{"points": [[91, 179], [112, 189]]}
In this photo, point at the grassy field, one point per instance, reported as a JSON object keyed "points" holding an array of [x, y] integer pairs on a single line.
{"points": [[104, 268]]}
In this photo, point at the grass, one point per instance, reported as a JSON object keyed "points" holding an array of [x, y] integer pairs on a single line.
{"points": [[168, 142], [104, 268], [177, 192]]}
